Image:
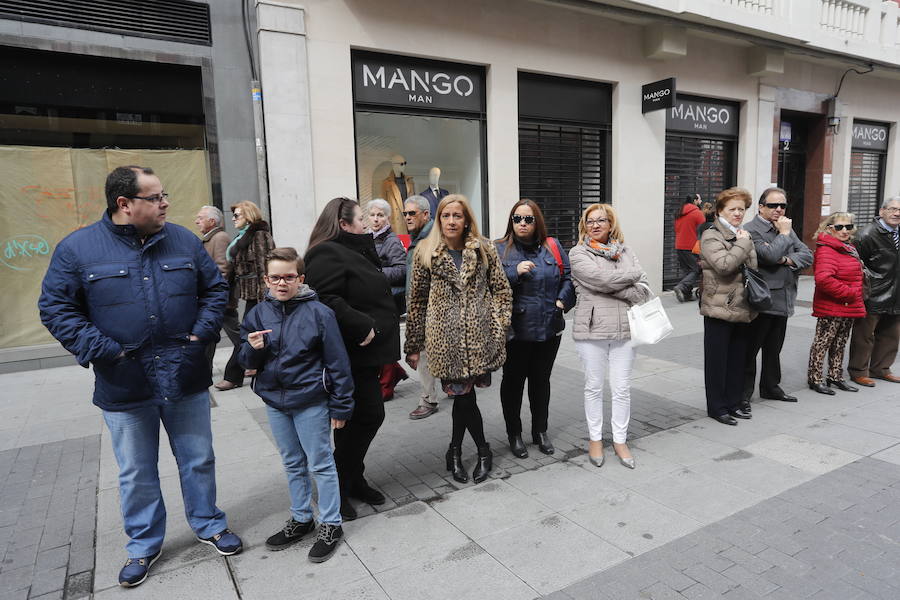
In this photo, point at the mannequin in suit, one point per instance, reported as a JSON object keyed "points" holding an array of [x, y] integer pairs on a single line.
{"points": [[435, 192], [395, 189]]}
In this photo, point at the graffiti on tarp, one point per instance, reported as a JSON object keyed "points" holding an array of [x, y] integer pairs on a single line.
{"points": [[48, 200], [20, 252]]}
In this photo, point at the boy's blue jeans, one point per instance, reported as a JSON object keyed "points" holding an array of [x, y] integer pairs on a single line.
{"points": [[135, 442], [303, 436]]}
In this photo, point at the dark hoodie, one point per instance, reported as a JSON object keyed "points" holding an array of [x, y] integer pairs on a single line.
{"points": [[304, 361]]}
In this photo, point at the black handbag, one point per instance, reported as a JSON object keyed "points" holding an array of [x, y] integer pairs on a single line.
{"points": [[759, 297]]}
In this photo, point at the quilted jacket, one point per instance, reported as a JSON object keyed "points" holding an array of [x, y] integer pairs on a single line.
{"points": [[722, 293], [105, 293], [605, 289], [839, 280]]}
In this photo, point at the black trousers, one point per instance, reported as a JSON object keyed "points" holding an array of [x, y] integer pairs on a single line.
{"points": [[234, 372], [352, 441], [724, 354], [689, 268], [532, 361], [766, 334]]}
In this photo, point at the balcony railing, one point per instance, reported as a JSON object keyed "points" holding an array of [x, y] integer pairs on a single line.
{"points": [[763, 7], [843, 17]]}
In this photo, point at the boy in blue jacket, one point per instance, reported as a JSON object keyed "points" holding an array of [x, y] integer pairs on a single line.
{"points": [[303, 376]]}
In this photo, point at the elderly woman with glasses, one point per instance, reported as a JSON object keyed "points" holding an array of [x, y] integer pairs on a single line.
{"points": [[539, 275], [837, 301], [608, 280], [247, 256]]}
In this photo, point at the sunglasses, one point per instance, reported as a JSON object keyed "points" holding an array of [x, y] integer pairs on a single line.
{"points": [[529, 219], [403, 164], [841, 226], [776, 205], [410, 213]]}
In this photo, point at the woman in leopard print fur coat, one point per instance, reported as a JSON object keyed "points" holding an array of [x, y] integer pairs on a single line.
{"points": [[459, 310]]}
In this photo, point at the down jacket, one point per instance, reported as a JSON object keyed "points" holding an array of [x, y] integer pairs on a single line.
{"points": [[105, 293], [459, 316], [304, 362], [535, 316], [722, 293], [346, 273], [605, 289], [393, 257], [686, 226], [839, 280]]}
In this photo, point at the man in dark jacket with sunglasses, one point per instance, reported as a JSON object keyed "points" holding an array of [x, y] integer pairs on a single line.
{"points": [[782, 256]]}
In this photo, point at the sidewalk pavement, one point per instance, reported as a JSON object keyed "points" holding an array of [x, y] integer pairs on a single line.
{"points": [[802, 501]]}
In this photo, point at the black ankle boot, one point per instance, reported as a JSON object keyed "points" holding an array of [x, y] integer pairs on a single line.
{"points": [[485, 464], [543, 442], [454, 464], [517, 446]]}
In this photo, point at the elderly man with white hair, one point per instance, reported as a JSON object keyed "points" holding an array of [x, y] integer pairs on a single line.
{"points": [[211, 223]]}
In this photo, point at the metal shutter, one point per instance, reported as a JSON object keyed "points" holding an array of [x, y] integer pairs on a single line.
{"points": [[866, 184], [175, 20], [693, 166], [564, 169]]}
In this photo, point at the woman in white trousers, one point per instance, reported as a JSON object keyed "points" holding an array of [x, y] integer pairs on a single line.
{"points": [[608, 280]]}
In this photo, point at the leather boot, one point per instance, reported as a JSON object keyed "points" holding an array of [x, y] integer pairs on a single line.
{"points": [[517, 446], [485, 464], [543, 442], [454, 464]]}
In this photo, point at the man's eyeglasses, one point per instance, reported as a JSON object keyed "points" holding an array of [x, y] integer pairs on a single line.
{"points": [[776, 205], [529, 219], [841, 226], [410, 213], [279, 278], [592, 222], [891, 209], [152, 199]]}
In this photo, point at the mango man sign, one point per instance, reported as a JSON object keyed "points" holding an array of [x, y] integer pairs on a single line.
{"points": [[870, 136], [658, 95]]}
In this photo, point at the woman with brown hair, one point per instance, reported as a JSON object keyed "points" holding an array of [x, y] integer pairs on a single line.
{"points": [[343, 267], [458, 282], [724, 249], [247, 254], [538, 272], [608, 280]]}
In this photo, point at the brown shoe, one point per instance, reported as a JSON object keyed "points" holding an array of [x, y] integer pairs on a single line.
{"points": [[225, 385], [423, 411], [888, 377], [863, 381]]}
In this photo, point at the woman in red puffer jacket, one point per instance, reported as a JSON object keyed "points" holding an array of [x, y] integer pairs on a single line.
{"points": [[837, 301]]}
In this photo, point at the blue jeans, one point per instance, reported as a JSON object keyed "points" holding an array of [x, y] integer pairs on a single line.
{"points": [[135, 441], [303, 436]]}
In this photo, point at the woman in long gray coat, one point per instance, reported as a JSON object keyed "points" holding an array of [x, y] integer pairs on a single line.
{"points": [[608, 280], [724, 248]]}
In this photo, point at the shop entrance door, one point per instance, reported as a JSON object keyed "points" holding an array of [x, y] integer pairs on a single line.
{"points": [[792, 168]]}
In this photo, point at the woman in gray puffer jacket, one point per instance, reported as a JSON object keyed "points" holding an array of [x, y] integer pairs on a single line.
{"points": [[724, 248], [608, 280]]}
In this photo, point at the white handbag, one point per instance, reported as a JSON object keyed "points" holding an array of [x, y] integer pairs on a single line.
{"points": [[648, 322]]}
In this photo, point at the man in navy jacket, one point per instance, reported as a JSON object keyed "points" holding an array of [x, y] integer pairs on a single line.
{"points": [[139, 299]]}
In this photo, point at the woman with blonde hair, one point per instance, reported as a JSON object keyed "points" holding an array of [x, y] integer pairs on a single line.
{"points": [[837, 301], [459, 310], [608, 280], [724, 248], [247, 253]]}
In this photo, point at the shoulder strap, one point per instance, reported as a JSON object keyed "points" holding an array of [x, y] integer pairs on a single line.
{"points": [[554, 248]]}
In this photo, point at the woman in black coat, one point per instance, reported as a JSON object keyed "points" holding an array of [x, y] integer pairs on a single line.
{"points": [[344, 269]]}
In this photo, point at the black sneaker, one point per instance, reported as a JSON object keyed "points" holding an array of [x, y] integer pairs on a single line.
{"points": [[326, 542], [363, 491], [293, 531]]}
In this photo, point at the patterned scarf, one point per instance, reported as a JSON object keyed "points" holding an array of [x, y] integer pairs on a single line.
{"points": [[611, 250]]}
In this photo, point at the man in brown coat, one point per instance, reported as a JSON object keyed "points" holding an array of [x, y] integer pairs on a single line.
{"points": [[210, 221]]}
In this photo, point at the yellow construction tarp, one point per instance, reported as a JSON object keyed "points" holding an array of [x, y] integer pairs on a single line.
{"points": [[46, 193]]}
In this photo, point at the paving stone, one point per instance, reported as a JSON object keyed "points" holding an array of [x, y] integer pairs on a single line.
{"points": [[45, 582]]}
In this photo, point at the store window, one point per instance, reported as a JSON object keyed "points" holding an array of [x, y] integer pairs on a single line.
{"points": [[867, 159], [701, 158], [420, 129], [564, 148]]}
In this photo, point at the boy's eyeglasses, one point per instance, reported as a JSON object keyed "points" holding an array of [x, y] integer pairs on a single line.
{"points": [[529, 219], [840, 227], [279, 278]]}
